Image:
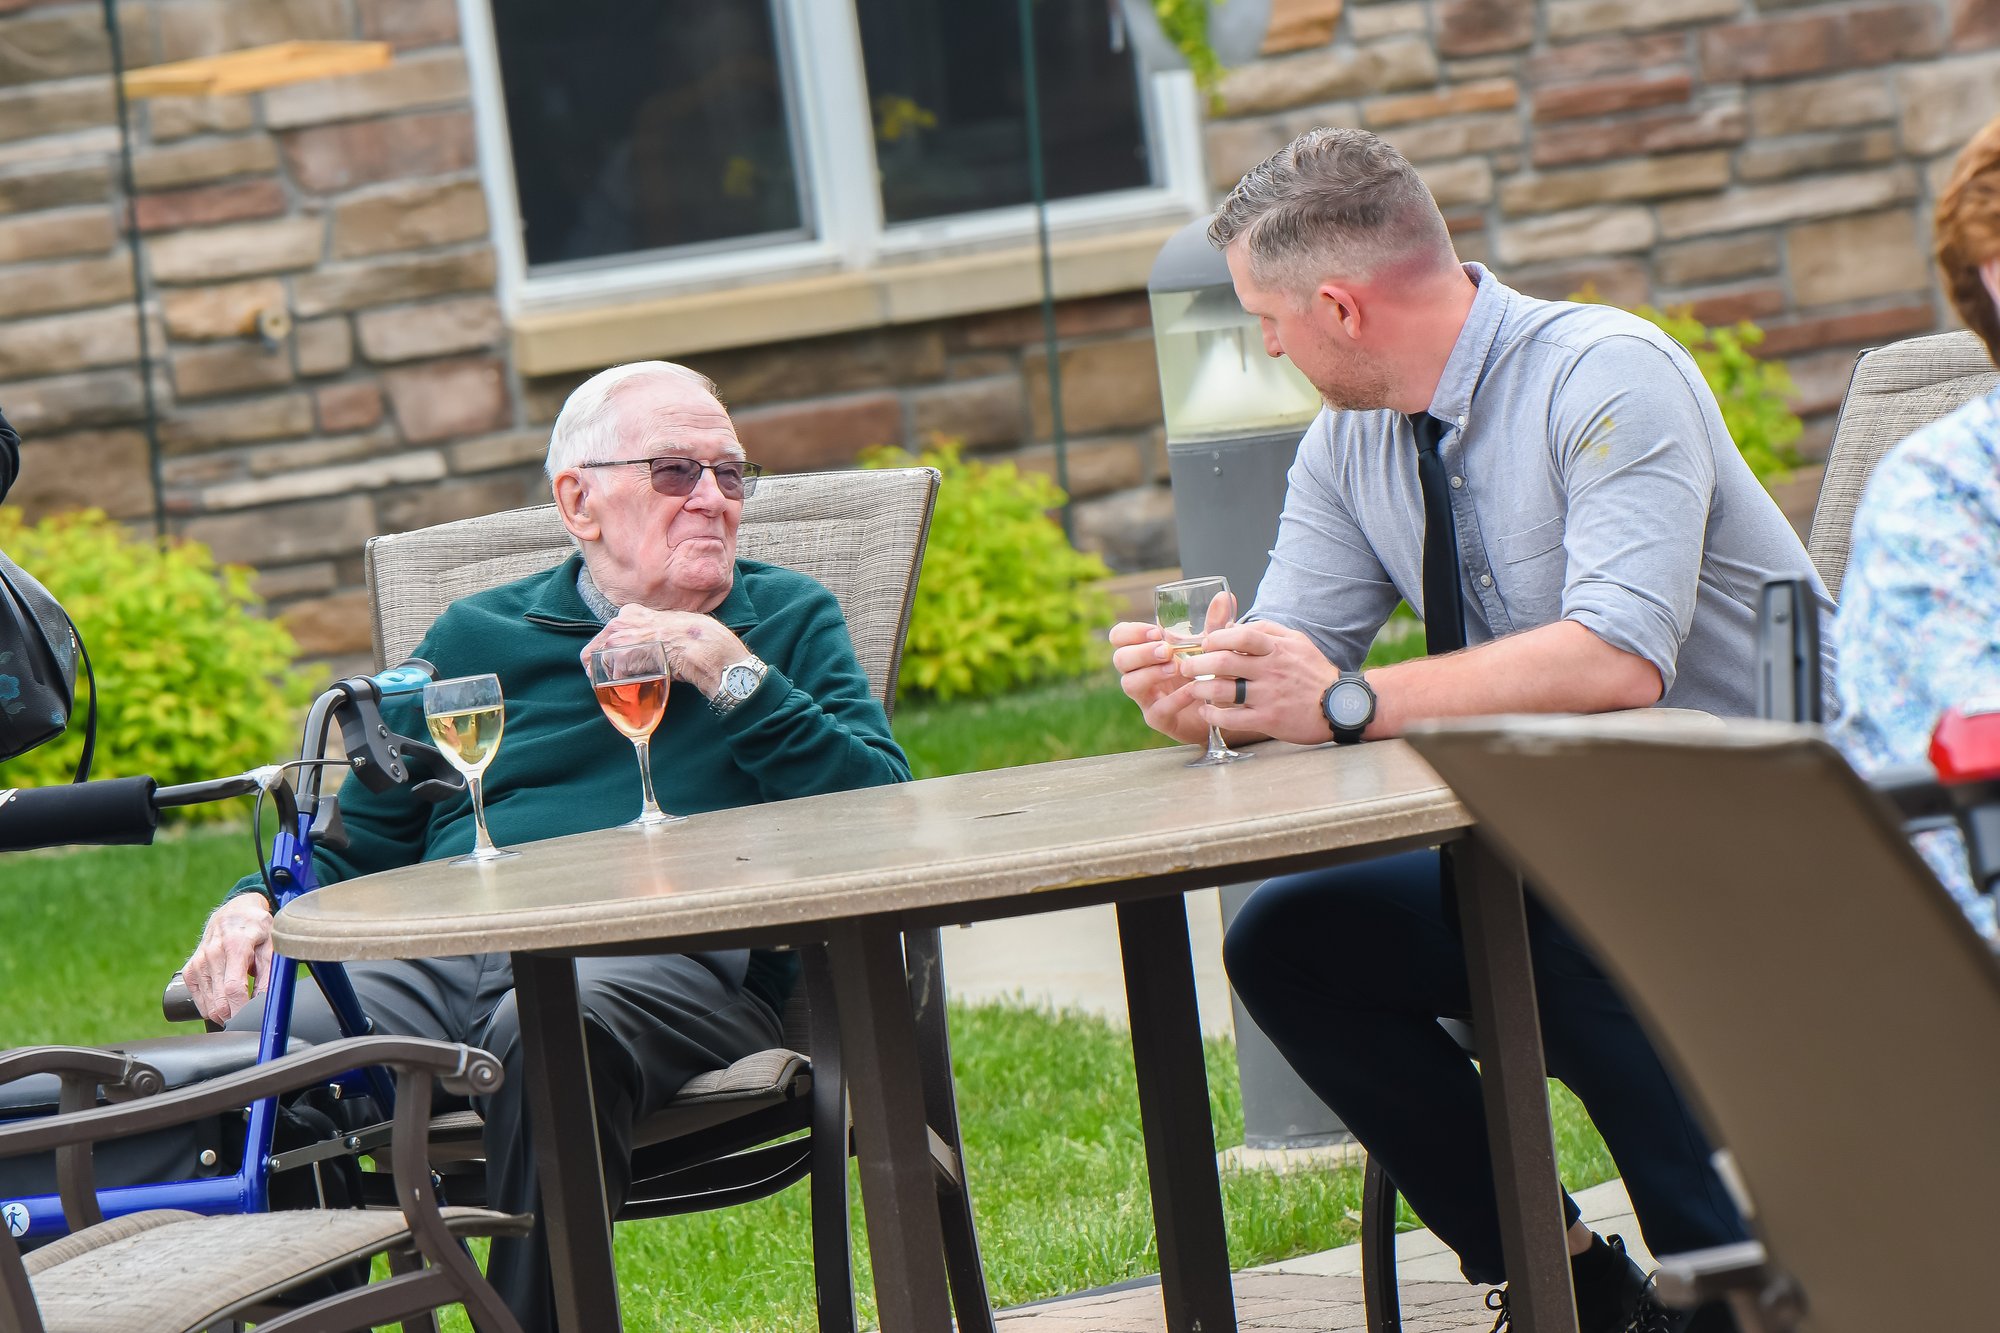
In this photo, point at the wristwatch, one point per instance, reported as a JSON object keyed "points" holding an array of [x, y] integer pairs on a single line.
{"points": [[1348, 706], [739, 681]]}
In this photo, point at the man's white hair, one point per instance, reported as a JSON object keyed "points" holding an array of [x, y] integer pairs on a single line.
{"points": [[587, 429]]}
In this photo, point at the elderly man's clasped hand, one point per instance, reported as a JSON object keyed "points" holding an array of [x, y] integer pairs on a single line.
{"points": [[698, 646], [1282, 675]]}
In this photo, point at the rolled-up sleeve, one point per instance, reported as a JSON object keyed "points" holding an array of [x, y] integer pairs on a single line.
{"points": [[1323, 579], [1634, 452]]}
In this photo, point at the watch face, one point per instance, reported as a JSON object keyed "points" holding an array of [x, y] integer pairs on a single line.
{"points": [[1349, 704], [740, 680]]}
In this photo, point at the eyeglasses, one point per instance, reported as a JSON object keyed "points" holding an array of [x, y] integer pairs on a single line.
{"points": [[678, 477]]}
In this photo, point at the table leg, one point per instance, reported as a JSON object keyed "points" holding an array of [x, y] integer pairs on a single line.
{"points": [[1493, 911], [1173, 1108], [878, 1048], [563, 1121]]}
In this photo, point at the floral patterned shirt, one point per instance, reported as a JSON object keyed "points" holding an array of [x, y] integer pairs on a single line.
{"points": [[1918, 629]]}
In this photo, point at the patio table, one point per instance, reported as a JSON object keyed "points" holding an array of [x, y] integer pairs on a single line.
{"points": [[856, 868]]}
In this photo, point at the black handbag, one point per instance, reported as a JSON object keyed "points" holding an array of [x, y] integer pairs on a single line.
{"points": [[39, 652]]}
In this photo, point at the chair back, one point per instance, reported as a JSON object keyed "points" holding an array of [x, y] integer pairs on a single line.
{"points": [[859, 533], [1894, 391], [1822, 999]]}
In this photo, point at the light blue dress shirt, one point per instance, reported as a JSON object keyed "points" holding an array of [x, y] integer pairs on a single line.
{"points": [[1592, 480]]}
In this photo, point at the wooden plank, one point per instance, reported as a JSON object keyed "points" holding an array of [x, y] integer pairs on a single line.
{"points": [[256, 68]]}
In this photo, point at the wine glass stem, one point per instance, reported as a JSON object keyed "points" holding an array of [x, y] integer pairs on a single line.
{"points": [[644, 745], [482, 840], [1215, 745]]}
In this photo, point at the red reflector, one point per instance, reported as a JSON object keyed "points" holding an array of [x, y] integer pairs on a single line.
{"points": [[1966, 745]]}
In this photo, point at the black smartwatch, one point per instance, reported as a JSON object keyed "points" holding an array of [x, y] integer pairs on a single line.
{"points": [[1348, 706]]}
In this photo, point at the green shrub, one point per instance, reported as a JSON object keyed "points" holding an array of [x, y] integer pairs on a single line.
{"points": [[1004, 600], [191, 683], [1754, 394]]}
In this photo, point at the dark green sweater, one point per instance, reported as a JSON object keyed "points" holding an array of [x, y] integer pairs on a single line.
{"points": [[812, 726]]}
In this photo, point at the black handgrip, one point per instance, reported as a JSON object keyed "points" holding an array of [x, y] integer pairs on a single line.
{"points": [[177, 1004], [118, 811]]}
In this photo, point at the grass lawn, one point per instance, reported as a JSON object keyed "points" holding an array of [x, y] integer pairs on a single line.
{"points": [[1053, 1147]]}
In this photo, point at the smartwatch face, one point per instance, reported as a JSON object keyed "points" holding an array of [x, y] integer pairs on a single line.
{"points": [[1349, 704]]}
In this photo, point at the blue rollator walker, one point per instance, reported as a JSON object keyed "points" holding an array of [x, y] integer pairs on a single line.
{"points": [[126, 810]]}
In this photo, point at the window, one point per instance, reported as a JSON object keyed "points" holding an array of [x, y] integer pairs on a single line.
{"points": [[679, 145]]}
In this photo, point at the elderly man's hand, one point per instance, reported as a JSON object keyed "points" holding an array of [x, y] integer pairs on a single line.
{"points": [[1283, 674], [1151, 679], [235, 945], [698, 646]]}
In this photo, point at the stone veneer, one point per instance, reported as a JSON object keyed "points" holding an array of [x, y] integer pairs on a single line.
{"points": [[1775, 162]]}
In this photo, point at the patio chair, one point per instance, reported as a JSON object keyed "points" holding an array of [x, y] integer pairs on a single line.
{"points": [[1823, 1001], [167, 1271], [862, 535], [1894, 390]]}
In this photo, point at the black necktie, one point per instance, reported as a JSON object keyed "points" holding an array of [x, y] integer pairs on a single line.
{"points": [[1444, 602]]}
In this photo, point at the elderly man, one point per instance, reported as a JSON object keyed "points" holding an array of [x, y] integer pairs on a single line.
{"points": [[1553, 486], [768, 702]]}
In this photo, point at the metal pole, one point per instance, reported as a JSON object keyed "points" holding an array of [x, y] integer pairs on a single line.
{"points": [[138, 270], [1038, 186]]}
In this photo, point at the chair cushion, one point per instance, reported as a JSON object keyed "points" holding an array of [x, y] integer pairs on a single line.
{"points": [[166, 1271], [762, 1074]]}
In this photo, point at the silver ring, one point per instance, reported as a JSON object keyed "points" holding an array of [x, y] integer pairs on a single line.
{"points": [[1242, 691]]}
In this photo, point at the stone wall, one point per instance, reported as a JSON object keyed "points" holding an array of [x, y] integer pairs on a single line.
{"points": [[1774, 163]]}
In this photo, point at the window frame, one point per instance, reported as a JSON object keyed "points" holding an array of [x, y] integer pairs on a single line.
{"points": [[819, 48]]}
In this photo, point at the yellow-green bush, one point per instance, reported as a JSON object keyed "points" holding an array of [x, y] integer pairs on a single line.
{"points": [[191, 682], [1004, 600]]}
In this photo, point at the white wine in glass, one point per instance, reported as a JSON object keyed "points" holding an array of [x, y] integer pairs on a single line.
{"points": [[466, 717], [631, 684], [1186, 611]]}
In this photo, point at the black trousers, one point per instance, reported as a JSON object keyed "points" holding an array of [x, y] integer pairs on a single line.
{"points": [[1348, 970], [651, 1024]]}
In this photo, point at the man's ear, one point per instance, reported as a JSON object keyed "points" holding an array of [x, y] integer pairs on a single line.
{"points": [[1340, 304], [573, 502], [1989, 272]]}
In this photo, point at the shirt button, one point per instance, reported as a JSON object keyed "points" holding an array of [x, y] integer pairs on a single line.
{"points": [[1458, 483], [1485, 580], [1461, 421]]}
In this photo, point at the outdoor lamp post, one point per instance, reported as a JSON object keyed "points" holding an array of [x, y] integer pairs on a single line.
{"points": [[1234, 416]]}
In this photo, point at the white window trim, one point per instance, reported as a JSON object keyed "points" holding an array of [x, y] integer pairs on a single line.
{"points": [[835, 136]]}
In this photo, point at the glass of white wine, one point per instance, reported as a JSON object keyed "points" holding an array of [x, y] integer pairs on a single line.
{"points": [[466, 717], [1181, 607], [631, 685]]}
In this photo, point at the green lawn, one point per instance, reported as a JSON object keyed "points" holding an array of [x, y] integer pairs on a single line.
{"points": [[1053, 1147]]}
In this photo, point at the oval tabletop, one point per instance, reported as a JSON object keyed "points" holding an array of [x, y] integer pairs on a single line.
{"points": [[971, 838]]}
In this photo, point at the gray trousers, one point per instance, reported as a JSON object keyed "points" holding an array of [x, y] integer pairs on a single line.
{"points": [[650, 1023]]}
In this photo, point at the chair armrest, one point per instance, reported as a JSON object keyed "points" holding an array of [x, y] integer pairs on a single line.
{"points": [[122, 1077], [177, 1005], [1761, 1297], [461, 1069]]}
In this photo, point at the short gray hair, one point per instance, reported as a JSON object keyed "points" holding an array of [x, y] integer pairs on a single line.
{"points": [[587, 431], [1331, 203]]}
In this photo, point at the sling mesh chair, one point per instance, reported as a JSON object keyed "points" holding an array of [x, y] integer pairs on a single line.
{"points": [[1825, 1004], [1894, 390], [862, 535], [167, 1271]]}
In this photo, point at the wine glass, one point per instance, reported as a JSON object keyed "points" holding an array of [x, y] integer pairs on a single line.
{"points": [[466, 717], [1180, 607], [631, 684]]}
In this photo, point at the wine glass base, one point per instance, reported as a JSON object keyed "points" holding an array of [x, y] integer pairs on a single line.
{"points": [[654, 819], [1217, 758], [482, 855]]}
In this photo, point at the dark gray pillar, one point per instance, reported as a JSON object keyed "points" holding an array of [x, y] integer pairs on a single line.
{"points": [[1227, 498]]}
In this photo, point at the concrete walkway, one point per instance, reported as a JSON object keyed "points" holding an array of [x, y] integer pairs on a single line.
{"points": [[1323, 1291]]}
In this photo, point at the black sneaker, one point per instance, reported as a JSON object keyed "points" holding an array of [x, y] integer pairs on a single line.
{"points": [[1613, 1294]]}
